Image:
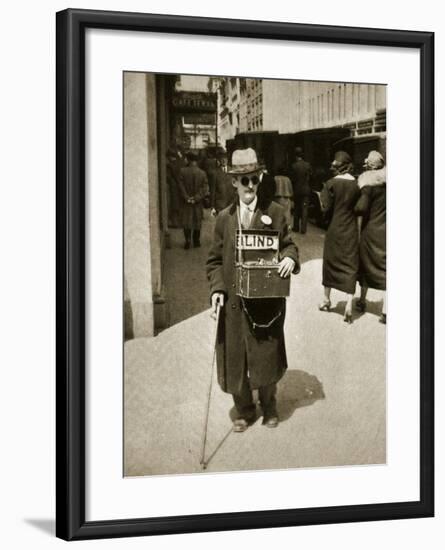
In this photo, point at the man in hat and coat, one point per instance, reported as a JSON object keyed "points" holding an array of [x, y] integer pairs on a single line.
{"points": [[301, 173], [193, 187], [250, 355]]}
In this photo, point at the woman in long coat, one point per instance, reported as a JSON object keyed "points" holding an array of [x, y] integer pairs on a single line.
{"points": [[340, 254], [193, 187], [371, 209], [241, 347]]}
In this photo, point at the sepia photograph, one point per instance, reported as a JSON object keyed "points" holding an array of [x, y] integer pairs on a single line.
{"points": [[254, 274]]}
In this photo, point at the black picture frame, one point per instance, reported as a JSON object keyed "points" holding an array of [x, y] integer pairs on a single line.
{"points": [[70, 171]]}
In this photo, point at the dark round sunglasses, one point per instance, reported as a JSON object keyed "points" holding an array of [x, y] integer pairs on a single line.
{"points": [[245, 180]]}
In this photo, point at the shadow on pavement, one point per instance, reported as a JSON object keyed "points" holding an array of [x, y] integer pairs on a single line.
{"points": [[295, 390], [375, 308]]}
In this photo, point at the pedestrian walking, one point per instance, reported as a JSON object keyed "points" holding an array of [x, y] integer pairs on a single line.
{"points": [[250, 347], [194, 188], [301, 173], [371, 209], [340, 252]]}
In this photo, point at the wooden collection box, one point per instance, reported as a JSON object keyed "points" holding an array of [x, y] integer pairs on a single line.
{"points": [[257, 253], [261, 282]]}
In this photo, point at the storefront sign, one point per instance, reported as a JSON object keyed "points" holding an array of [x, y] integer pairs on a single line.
{"points": [[195, 102]]}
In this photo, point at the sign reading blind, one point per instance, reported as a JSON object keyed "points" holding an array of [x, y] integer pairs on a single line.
{"points": [[256, 242], [259, 246]]}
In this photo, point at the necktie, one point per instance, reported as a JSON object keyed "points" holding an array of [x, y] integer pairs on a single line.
{"points": [[245, 220]]}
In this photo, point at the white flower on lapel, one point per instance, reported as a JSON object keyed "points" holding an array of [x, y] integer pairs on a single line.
{"points": [[267, 220]]}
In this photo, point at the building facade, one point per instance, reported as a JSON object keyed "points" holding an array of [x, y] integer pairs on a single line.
{"points": [[228, 90], [285, 106], [359, 107]]}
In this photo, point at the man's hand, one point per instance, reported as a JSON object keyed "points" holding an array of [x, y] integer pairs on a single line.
{"points": [[213, 212], [285, 267], [217, 298]]}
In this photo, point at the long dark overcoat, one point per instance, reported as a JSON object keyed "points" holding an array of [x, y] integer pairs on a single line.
{"points": [[300, 174], [192, 184], [372, 250], [238, 345], [340, 253]]}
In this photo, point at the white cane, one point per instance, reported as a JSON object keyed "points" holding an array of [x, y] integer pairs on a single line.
{"points": [[204, 437]]}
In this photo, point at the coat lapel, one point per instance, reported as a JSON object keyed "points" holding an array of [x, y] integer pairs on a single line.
{"points": [[256, 222], [233, 220]]}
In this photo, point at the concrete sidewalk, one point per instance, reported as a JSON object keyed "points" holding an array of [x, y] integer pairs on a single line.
{"points": [[331, 401]]}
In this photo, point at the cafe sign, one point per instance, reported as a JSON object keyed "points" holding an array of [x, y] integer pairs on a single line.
{"points": [[194, 102]]}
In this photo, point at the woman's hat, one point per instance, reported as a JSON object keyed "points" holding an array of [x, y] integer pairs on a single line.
{"points": [[341, 158], [342, 162], [374, 160], [244, 161]]}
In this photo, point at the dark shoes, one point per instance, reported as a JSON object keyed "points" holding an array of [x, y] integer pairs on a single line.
{"points": [[270, 417], [347, 318], [197, 244], [246, 419], [241, 424], [270, 421], [187, 245]]}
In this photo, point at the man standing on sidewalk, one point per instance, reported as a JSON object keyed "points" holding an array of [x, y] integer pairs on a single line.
{"points": [[250, 355], [301, 173], [193, 187]]}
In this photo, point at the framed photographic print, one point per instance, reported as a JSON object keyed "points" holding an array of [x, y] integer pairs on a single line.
{"points": [[244, 274]]}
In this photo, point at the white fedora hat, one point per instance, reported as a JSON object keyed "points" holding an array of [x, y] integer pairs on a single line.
{"points": [[244, 161]]}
